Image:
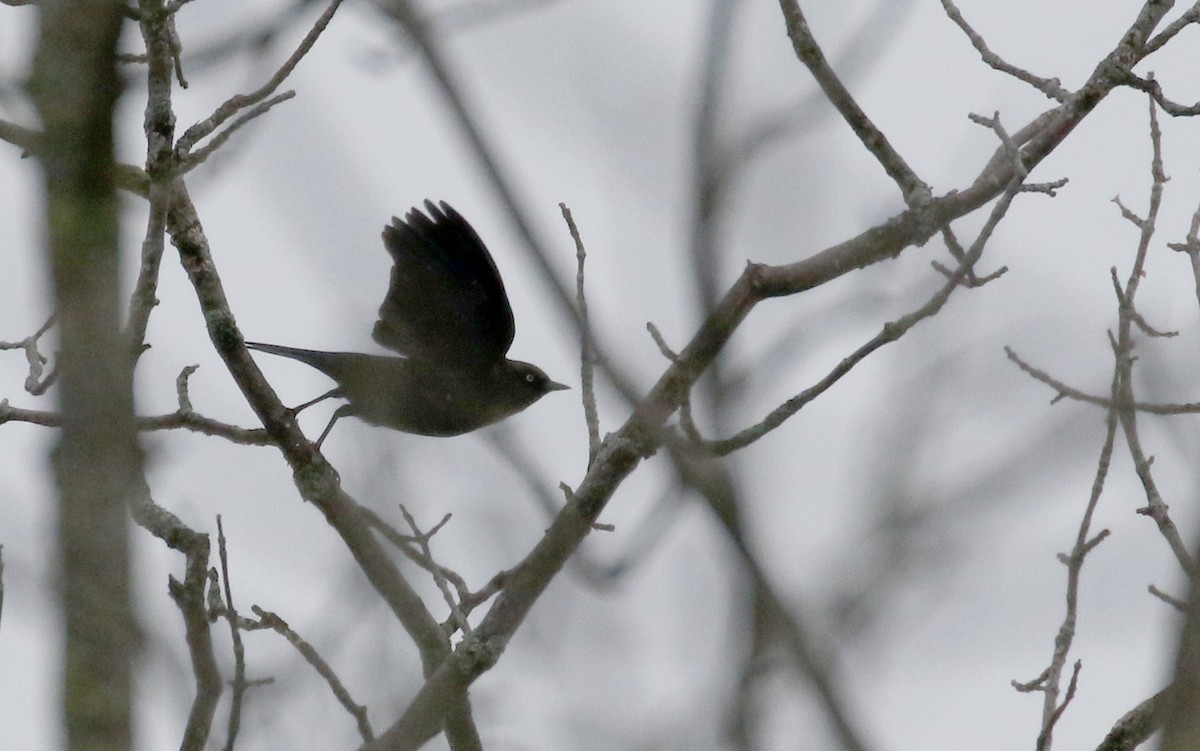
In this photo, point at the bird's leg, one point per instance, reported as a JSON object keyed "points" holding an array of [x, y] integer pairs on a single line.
{"points": [[328, 395], [341, 411]]}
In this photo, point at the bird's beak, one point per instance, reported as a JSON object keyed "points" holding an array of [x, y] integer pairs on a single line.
{"points": [[555, 386]]}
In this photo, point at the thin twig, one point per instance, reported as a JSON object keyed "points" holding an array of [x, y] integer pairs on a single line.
{"points": [[587, 368], [1043, 741], [1051, 87], [422, 541], [856, 58], [35, 384], [1154, 89], [1174, 602], [235, 104], [199, 156], [270, 620], [1191, 246], [1070, 392], [912, 188], [239, 649], [173, 421], [686, 419]]}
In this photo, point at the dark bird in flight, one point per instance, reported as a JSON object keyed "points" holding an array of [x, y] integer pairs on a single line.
{"points": [[447, 313]]}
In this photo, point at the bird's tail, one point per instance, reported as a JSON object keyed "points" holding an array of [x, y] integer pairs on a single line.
{"points": [[330, 363]]}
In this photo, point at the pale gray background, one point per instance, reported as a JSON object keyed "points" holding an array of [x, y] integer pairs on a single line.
{"points": [[591, 103]]}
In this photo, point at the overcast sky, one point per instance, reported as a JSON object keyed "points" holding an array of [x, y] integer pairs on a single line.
{"points": [[923, 499]]}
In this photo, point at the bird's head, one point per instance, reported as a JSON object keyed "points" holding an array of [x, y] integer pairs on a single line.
{"points": [[523, 384]]}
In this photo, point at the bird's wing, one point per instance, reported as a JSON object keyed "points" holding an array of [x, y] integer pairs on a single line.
{"points": [[446, 302]]}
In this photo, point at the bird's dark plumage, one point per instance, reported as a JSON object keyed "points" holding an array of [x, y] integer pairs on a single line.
{"points": [[446, 302], [446, 311]]}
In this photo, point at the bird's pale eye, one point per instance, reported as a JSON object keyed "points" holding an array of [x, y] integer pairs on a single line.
{"points": [[529, 378]]}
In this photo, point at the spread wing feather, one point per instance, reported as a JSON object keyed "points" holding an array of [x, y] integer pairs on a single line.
{"points": [[446, 302]]}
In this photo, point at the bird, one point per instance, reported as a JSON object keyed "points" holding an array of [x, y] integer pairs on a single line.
{"points": [[448, 317]]}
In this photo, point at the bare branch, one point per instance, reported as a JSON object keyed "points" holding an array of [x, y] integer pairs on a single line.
{"points": [[173, 421], [1043, 742], [1070, 392], [235, 104], [1137, 725], [34, 383], [158, 126], [1154, 89], [1192, 248], [1189, 17], [358, 711], [196, 158], [587, 369], [1051, 87], [189, 597], [422, 541], [871, 40], [914, 190], [240, 685], [1176, 603]]}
